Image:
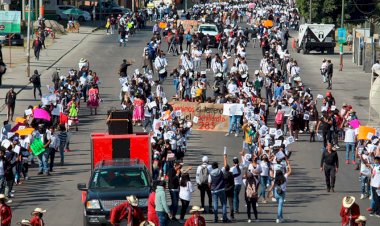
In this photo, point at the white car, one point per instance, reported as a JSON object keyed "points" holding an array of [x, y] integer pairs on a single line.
{"points": [[61, 16], [211, 30]]}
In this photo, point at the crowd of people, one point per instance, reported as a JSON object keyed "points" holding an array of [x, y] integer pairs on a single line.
{"points": [[277, 108], [263, 169], [45, 129]]}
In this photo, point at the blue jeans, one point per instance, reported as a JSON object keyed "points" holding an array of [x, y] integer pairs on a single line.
{"points": [[232, 124], [365, 186], [237, 189], [2, 184], [42, 161], [174, 196], [62, 153], [222, 197], [350, 147], [280, 200], [264, 180], [162, 218]]}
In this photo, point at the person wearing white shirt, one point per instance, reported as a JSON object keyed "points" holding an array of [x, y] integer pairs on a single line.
{"points": [[375, 186], [203, 186], [264, 176], [160, 64], [187, 62], [208, 53], [349, 140], [197, 53], [236, 171], [185, 190], [53, 147]]}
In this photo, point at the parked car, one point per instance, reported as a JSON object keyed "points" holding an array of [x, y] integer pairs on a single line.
{"points": [[16, 40], [86, 16], [111, 181]]}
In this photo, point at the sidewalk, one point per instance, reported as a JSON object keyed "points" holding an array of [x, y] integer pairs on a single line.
{"points": [[16, 75]]}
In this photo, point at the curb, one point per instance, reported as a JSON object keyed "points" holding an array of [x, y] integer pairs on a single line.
{"points": [[2, 107]]}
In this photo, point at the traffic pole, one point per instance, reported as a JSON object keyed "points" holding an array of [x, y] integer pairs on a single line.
{"points": [[28, 40], [341, 45]]}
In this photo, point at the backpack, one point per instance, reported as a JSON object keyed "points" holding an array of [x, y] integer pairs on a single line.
{"points": [[203, 177], [279, 117], [251, 190]]}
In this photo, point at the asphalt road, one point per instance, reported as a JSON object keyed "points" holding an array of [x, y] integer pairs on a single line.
{"points": [[307, 202]]}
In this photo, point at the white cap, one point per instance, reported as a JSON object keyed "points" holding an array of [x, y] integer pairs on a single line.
{"points": [[204, 159]]}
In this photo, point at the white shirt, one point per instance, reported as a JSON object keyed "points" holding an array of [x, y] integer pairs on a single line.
{"points": [[375, 180], [349, 136], [251, 168], [160, 62], [264, 168], [185, 192], [234, 171]]}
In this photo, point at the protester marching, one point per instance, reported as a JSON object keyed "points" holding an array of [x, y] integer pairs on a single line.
{"points": [[213, 91]]}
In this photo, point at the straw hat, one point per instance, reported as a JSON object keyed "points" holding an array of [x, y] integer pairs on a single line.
{"points": [[361, 218], [24, 222], [348, 201], [196, 209], [133, 200], [2, 196], [38, 210], [147, 223]]}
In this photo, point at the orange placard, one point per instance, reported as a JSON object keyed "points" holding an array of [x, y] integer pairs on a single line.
{"points": [[364, 131], [268, 23], [162, 25]]}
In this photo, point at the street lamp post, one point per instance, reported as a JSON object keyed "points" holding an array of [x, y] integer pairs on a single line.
{"points": [[28, 38], [310, 11], [341, 44]]}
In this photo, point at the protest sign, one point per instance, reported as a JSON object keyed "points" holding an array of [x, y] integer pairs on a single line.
{"points": [[290, 139], [272, 131], [206, 116], [28, 112], [364, 131], [37, 146]]}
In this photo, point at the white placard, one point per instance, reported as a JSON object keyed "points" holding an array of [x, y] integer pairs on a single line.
{"points": [[69, 122], [225, 150], [178, 113], [28, 112], [123, 80], [333, 108], [278, 133], [10, 134], [280, 155], [287, 86], [256, 117], [323, 108], [272, 131], [264, 128], [319, 96], [6, 143], [156, 125], [290, 140], [306, 117], [286, 143], [56, 110], [152, 104], [319, 137], [17, 149], [195, 119], [21, 127], [291, 100], [277, 143], [287, 110], [369, 136]]}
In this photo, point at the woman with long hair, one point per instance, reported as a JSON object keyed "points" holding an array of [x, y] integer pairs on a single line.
{"points": [[185, 190], [251, 194], [279, 190]]}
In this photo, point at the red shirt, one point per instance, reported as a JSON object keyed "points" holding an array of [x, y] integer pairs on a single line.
{"points": [[121, 212], [355, 213], [152, 215], [36, 221], [195, 222], [6, 215]]}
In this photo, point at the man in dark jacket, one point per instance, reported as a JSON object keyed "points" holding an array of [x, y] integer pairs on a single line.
{"points": [[330, 71], [37, 45], [173, 175], [10, 101], [217, 185], [124, 68], [55, 78], [36, 80]]}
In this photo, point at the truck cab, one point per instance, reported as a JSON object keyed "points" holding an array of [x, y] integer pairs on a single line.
{"points": [[110, 182]]}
